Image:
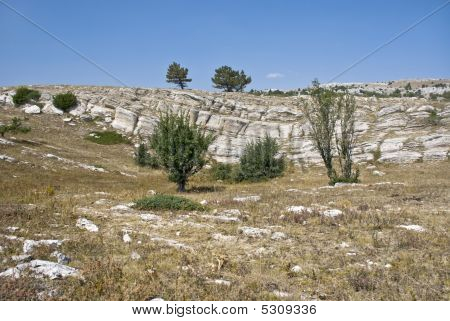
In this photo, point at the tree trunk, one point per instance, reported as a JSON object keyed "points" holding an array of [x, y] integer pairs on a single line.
{"points": [[181, 187]]}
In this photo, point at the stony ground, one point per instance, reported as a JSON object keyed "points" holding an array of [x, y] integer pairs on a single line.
{"points": [[67, 231]]}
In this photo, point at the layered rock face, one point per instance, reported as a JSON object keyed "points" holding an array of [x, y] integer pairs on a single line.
{"points": [[397, 130]]}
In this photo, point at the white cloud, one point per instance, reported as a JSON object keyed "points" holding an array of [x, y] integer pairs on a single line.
{"points": [[274, 75]]}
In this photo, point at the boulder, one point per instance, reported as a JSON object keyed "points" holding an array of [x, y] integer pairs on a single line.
{"points": [[31, 109], [124, 120]]}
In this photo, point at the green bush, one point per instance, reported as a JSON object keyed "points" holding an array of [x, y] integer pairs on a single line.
{"points": [[167, 202], [259, 162], [434, 118], [14, 127], [180, 147], [354, 178], [24, 95], [220, 171], [143, 158], [446, 95], [65, 101], [107, 138]]}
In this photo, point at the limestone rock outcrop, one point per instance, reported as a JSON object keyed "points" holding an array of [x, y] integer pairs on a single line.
{"points": [[391, 129]]}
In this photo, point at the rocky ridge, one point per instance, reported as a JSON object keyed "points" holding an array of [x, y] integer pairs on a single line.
{"points": [[399, 130]]}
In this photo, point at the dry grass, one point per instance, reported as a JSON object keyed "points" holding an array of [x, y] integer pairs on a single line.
{"points": [[62, 192]]}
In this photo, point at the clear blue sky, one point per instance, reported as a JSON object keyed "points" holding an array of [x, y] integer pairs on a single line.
{"points": [[281, 44]]}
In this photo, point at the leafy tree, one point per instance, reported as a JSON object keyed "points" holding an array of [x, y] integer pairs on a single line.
{"points": [[14, 127], [177, 75], [25, 95], [65, 101], [323, 112], [230, 80], [259, 160], [180, 147]]}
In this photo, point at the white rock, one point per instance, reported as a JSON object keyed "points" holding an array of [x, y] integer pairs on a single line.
{"points": [[67, 120], [224, 238], [222, 218], [31, 109], [277, 236], [135, 256], [150, 217], [150, 191], [299, 209], [412, 227], [220, 282], [295, 269], [378, 173], [332, 213], [41, 268], [204, 202], [253, 198], [124, 120], [49, 108], [7, 158], [28, 245], [253, 232], [4, 141], [121, 207], [86, 224], [62, 258], [21, 258], [126, 238], [281, 294]]}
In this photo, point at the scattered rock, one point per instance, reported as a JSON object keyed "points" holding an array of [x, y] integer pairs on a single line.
{"points": [[253, 198], [204, 202], [281, 294], [224, 238], [21, 258], [135, 256], [277, 236], [295, 269], [86, 224], [332, 213], [254, 232], [416, 228], [378, 173], [31, 109], [29, 245], [172, 243], [220, 282], [150, 191], [121, 208], [41, 268], [61, 258], [299, 209], [150, 217], [126, 238]]}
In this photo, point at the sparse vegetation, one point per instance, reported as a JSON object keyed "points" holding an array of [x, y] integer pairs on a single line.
{"points": [[221, 171], [25, 95], [143, 158], [167, 202], [15, 126], [180, 147], [107, 138], [434, 118], [177, 75], [65, 101], [230, 80]]}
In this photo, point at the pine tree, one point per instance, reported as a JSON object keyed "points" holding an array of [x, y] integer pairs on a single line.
{"points": [[177, 75], [180, 147], [230, 80]]}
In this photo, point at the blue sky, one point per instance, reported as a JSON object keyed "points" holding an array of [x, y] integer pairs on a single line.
{"points": [[281, 44]]}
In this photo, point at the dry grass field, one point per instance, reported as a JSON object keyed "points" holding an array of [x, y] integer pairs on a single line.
{"points": [[57, 177]]}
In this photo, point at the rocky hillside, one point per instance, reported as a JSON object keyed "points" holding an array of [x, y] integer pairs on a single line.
{"points": [[398, 130]]}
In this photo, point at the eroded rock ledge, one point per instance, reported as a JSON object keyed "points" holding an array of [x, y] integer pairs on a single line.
{"points": [[394, 129]]}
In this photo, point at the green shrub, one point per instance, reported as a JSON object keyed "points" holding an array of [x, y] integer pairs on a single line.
{"points": [[259, 162], [354, 178], [14, 127], [434, 118], [107, 138], [167, 202], [446, 95], [376, 154], [24, 95], [220, 171], [180, 147], [65, 101], [143, 158]]}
